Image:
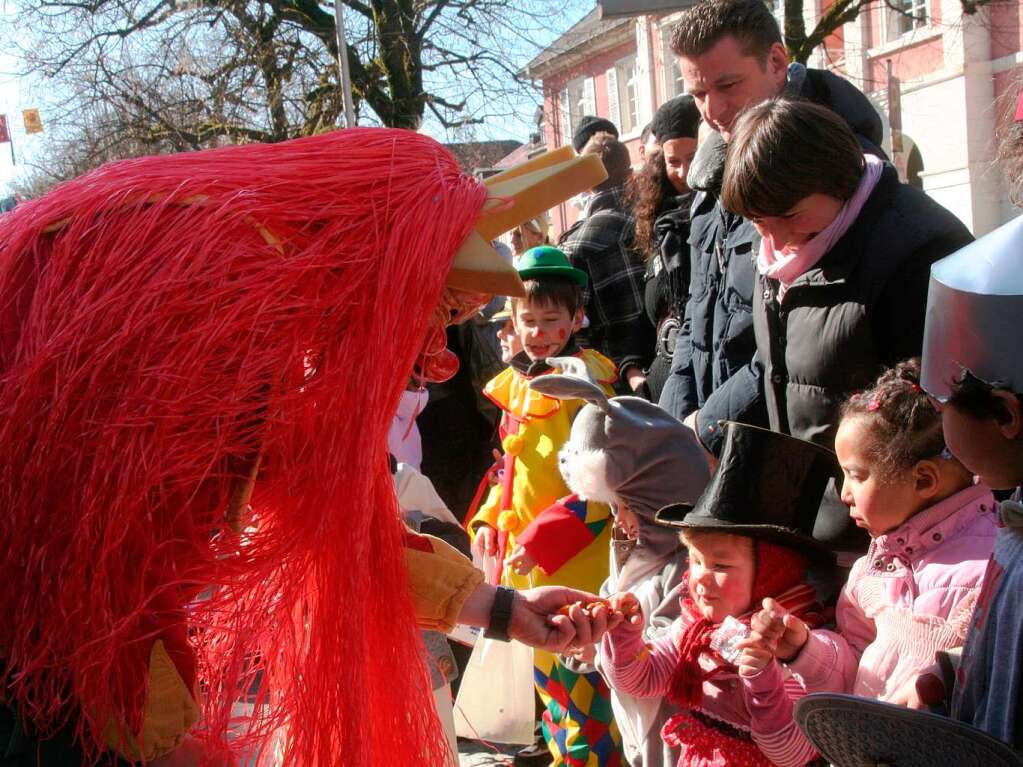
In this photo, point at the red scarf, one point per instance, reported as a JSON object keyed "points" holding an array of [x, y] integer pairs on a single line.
{"points": [[779, 574]]}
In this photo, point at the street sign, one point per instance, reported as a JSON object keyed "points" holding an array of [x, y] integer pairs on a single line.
{"points": [[33, 123]]}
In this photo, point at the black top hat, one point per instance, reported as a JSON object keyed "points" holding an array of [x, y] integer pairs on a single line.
{"points": [[767, 485], [853, 732]]}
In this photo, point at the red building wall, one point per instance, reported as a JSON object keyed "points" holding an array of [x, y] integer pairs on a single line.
{"points": [[909, 63], [1006, 32], [596, 67]]}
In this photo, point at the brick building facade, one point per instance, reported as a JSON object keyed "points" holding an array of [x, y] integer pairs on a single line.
{"points": [[946, 80]]}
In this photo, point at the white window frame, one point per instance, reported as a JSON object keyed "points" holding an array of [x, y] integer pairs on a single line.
{"points": [[564, 119], [589, 100], [613, 107], [623, 104], [576, 99], [673, 83], [896, 25]]}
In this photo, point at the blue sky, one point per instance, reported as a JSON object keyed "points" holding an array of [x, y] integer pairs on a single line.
{"points": [[16, 94]]}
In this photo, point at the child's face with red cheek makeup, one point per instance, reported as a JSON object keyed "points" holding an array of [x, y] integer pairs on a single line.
{"points": [[544, 330]]}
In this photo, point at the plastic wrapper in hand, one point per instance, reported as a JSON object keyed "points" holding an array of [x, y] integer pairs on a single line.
{"points": [[726, 639]]}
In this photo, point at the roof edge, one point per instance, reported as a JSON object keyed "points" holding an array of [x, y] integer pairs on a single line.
{"points": [[599, 43], [623, 9]]}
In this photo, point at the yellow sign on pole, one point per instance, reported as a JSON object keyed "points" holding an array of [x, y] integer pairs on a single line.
{"points": [[33, 124]]}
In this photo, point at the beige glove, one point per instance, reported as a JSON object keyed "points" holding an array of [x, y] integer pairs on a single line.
{"points": [[171, 711]]}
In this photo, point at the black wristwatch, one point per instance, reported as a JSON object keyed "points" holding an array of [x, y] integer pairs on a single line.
{"points": [[500, 615]]}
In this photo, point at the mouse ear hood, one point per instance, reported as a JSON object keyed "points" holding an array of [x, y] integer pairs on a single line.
{"points": [[585, 471], [652, 459], [574, 382]]}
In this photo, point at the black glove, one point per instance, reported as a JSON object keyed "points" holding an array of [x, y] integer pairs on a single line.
{"points": [[708, 167]]}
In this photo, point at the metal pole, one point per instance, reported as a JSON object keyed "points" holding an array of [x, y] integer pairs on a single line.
{"points": [[342, 63]]}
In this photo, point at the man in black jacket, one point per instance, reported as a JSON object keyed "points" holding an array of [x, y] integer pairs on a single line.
{"points": [[732, 57]]}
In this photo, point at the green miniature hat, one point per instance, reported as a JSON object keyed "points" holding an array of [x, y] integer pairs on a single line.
{"points": [[546, 261]]}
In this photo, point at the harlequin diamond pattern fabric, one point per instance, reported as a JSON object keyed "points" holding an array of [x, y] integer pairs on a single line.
{"points": [[578, 723]]}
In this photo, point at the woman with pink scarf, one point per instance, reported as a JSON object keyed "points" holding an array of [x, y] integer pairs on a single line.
{"points": [[843, 265]]}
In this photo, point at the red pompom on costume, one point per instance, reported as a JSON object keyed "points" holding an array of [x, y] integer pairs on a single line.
{"points": [[169, 326]]}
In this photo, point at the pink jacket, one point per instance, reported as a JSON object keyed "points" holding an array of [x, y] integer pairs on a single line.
{"points": [[760, 706], [911, 595]]}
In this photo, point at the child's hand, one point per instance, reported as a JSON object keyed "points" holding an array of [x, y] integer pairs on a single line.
{"points": [[920, 692], [585, 654], [497, 470], [626, 605], [485, 542], [755, 656], [618, 608], [779, 629], [591, 619], [520, 561]]}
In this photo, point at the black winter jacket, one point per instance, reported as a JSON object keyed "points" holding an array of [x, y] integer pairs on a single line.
{"points": [[857, 312], [717, 345], [667, 286], [667, 271]]}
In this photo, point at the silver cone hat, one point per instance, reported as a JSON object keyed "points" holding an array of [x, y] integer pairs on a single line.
{"points": [[975, 314]]}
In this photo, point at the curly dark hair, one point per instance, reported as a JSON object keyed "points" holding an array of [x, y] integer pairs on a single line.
{"points": [[647, 192], [1010, 147], [904, 425], [976, 398]]}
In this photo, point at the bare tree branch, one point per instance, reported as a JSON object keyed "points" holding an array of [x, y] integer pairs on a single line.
{"points": [[141, 76]]}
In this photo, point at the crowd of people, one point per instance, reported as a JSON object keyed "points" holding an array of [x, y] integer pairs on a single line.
{"points": [[714, 407], [750, 429]]}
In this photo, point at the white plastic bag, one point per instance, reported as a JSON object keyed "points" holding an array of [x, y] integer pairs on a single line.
{"points": [[491, 566], [495, 699]]}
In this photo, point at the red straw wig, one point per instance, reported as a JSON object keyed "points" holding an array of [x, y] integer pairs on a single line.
{"points": [[163, 321]]}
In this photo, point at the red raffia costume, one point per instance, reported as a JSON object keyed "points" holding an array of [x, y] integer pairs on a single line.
{"points": [[175, 331]]}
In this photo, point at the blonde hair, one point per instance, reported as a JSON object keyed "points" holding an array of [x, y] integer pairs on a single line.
{"points": [[540, 226], [690, 536]]}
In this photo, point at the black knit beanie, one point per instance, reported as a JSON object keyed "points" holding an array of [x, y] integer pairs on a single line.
{"points": [[588, 125], [676, 118]]}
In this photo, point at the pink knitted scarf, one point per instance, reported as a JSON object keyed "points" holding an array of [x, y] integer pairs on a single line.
{"points": [[786, 267]]}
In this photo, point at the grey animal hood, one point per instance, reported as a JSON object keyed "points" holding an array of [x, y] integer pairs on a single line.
{"points": [[625, 449]]}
